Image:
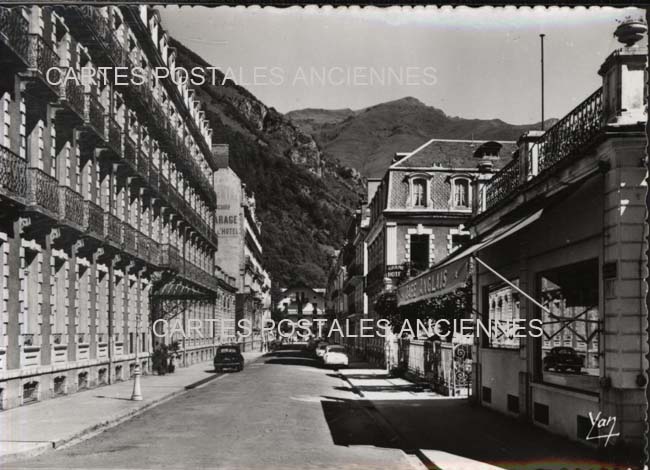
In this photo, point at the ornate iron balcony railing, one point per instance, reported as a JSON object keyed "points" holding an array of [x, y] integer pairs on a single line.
{"points": [[154, 252], [112, 228], [16, 28], [566, 138], [170, 257], [93, 219], [73, 94], [572, 132], [41, 55], [13, 174], [143, 246], [71, 206], [42, 190], [153, 177], [143, 164], [130, 151], [129, 238], [94, 114], [114, 137], [503, 183]]}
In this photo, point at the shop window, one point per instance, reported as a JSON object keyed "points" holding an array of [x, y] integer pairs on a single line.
{"points": [[570, 321], [504, 305], [419, 252]]}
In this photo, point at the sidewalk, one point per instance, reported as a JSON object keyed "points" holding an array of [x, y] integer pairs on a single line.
{"points": [[29, 430], [449, 433]]}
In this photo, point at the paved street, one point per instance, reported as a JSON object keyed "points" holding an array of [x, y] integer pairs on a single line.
{"points": [[280, 412], [284, 411]]}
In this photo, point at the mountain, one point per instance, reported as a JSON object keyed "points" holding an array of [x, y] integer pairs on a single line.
{"points": [[367, 139], [303, 200]]}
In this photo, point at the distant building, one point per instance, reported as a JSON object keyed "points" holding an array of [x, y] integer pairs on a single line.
{"points": [[240, 251], [301, 302], [416, 212]]}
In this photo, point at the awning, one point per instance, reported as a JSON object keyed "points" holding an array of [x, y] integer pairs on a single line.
{"points": [[452, 273]]}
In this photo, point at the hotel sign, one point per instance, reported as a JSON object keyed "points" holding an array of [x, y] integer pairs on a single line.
{"points": [[437, 281]]}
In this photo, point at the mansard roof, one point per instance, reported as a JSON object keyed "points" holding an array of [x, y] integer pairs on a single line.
{"points": [[457, 154]]}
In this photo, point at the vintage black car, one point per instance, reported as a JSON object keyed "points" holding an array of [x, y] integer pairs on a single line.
{"points": [[564, 358], [228, 357]]}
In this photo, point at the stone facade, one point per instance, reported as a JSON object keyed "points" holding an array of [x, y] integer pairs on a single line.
{"points": [[106, 201]]}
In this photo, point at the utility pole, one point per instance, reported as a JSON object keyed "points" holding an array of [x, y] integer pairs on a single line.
{"points": [[541, 37]]}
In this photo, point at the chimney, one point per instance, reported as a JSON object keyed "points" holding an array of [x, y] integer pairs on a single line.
{"points": [[623, 76], [399, 155], [221, 155], [373, 184]]}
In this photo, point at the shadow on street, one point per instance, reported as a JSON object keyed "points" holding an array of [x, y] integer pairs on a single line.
{"points": [[452, 428]]}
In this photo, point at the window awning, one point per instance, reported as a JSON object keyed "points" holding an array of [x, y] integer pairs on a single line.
{"points": [[452, 273]]}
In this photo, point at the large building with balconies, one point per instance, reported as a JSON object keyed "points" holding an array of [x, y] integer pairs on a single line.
{"points": [[107, 202]]}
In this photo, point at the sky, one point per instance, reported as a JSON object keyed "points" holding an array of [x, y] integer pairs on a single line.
{"points": [[470, 62]]}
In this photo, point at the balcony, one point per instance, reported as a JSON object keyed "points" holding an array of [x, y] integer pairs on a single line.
{"points": [[129, 239], [93, 220], [71, 95], [170, 257], [71, 207], [14, 29], [130, 152], [153, 177], [42, 192], [143, 165], [94, 115], [112, 229], [90, 25], [13, 175], [113, 135], [154, 252], [41, 58], [503, 183], [567, 138], [144, 243]]}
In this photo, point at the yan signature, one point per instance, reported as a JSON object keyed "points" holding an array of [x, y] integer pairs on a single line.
{"points": [[600, 426]]}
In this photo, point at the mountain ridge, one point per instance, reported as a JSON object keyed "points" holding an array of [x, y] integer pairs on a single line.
{"points": [[366, 139]]}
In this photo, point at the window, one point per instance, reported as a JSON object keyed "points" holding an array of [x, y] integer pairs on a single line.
{"points": [[419, 192], [420, 252], [460, 192], [503, 311], [570, 321]]}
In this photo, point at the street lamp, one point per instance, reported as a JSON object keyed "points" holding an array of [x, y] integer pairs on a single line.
{"points": [[137, 373]]}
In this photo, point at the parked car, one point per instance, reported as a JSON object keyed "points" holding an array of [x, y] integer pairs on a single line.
{"points": [[563, 358], [335, 355], [320, 349], [228, 357]]}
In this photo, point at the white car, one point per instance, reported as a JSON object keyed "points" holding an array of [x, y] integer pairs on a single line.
{"points": [[335, 355]]}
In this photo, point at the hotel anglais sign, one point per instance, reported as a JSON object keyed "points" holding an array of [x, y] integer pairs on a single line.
{"points": [[437, 281]]}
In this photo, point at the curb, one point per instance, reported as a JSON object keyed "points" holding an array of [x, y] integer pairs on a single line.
{"points": [[104, 425]]}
